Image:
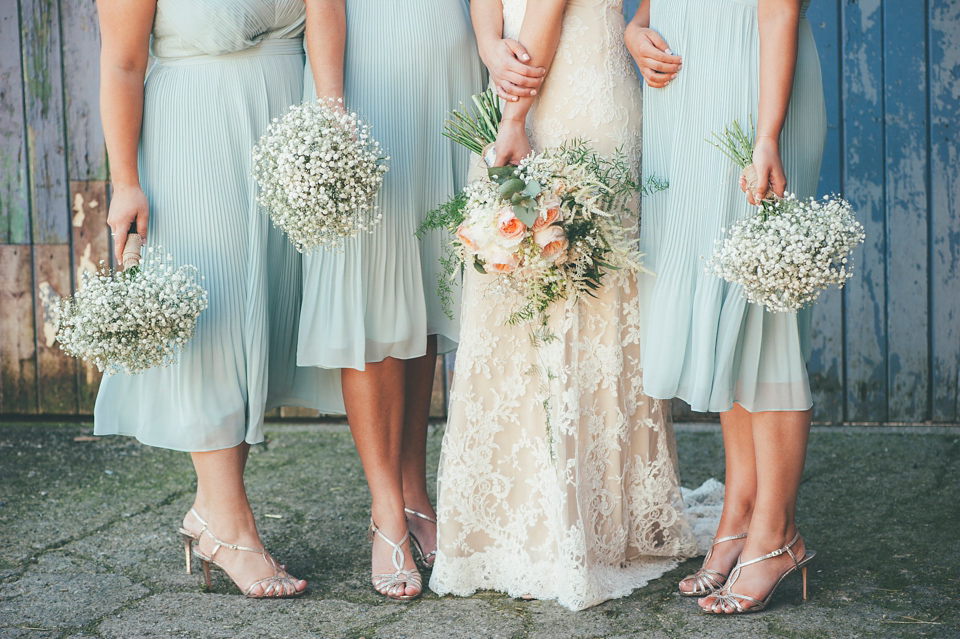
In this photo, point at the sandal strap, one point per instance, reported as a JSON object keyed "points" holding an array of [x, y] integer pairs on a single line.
{"points": [[411, 511], [398, 554], [734, 599], [728, 538], [775, 553]]}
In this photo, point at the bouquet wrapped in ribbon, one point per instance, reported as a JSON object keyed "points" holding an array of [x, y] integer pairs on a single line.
{"points": [[319, 171], [790, 249], [135, 319], [550, 228]]}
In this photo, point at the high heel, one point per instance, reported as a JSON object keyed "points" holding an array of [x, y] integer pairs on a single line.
{"points": [[706, 581], [280, 585], [386, 583], [423, 560], [727, 596], [189, 538]]}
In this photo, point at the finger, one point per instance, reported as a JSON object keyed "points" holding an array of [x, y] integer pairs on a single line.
{"points": [[517, 92], [119, 241], [517, 49], [653, 79], [657, 41], [663, 67], [763, 183], [512, 64], [743, 184], [503, 94], [522, 80], [778, 183], [142, 225]]}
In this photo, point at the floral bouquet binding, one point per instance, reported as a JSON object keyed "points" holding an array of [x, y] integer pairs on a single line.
{"points": [[790, 249], [319, 171], [136, 319]]}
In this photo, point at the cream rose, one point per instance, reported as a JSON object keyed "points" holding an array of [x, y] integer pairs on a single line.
{"points": [[498, 261], [552, 242], [463, 234]]}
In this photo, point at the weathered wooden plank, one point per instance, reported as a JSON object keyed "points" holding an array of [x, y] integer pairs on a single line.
{"points": [[863, 172], [56, 372], [944, 59], [91, 246], [18, 350], [46, 138], [81, 81], [14, 203], [905, 106], [826, 359]]}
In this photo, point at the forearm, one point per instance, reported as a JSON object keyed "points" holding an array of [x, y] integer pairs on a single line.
{"points": [[121, 110], [642, 17], [487, 18], [778, 22], [540, 34], [326, 36]]}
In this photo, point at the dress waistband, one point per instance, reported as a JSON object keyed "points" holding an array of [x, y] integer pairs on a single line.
{"points": [[270, 46]]}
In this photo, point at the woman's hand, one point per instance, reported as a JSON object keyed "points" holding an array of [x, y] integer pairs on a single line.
{"points": [[770, 174], [128, 206], [512, 144], [656, 61], [513, 77]]}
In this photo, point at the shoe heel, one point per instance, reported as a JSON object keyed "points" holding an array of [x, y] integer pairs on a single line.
{"points": [[188, 551], [206, 574], [803, 573]]}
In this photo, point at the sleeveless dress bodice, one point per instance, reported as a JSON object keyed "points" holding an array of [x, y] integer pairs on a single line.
{"points": [[188, 28]]}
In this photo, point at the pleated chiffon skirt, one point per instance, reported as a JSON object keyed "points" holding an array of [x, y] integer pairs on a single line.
{"points": [[703, 342], [407, 66], [202, 117]]}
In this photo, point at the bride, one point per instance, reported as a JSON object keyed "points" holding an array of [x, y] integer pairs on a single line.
{"points": [[589, 508]]}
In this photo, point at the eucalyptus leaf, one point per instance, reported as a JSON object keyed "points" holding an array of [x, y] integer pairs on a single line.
{"points": [[533, 189], [477, 265], [512, 187], [525, 213], [500, 174]]}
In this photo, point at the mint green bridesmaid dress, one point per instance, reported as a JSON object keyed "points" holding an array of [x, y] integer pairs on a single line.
{"points": [[222, 70], [408, 64], [703, 342]]}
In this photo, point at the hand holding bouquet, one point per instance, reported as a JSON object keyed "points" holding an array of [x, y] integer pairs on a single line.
{"points": [[319, 171], [790, 250], [136, 319]]}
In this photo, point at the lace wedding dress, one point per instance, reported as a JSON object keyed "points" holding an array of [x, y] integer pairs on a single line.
{"points": [[587, 508]]}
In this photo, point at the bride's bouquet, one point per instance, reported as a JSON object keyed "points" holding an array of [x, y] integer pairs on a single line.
{"points": [[791, 249], [319, 170], [135, 319], [549, 229]]}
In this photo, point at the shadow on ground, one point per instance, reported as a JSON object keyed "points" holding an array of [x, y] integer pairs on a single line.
{"points": [[88, 546]]}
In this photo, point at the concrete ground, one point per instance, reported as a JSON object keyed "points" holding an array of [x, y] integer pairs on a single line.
{"points": [[88, 546]]}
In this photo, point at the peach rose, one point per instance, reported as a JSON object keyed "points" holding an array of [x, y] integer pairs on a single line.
{"points": [[552, 242], [509, 226], [501, 261], [549, 213], [463, 234]]}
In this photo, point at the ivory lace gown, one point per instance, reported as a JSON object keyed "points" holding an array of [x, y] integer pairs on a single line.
{"points": [[603, 513]]}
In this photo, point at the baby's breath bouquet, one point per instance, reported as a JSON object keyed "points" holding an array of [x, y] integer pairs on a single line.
{"points": [[791, 249], [319, 171], [135, 319]]}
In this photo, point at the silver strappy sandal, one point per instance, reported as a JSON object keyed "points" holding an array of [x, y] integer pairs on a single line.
{"points": [[388, 584], [706, 581], [423, 560], [728, 597]]}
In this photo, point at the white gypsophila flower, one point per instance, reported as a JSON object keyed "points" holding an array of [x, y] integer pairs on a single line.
{"points": [[134, 320], [789, 251], [319, 171]]}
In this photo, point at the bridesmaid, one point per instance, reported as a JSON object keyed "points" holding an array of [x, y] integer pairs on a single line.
{"points": [[372, 311], [179, 145], [704, 344]]}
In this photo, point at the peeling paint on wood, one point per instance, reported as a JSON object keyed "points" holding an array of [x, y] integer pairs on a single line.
{"points": [[14, 203], [81, 81], [18, 352]]}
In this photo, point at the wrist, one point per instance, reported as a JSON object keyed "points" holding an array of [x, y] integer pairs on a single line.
{"points": [[125, 183], [774, 138], [485, 46]]}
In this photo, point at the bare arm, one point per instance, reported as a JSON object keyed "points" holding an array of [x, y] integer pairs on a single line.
{"points": [[507, 60], [125, 34], [326, 35], [656, 61], [540, 34], [778, 22]]}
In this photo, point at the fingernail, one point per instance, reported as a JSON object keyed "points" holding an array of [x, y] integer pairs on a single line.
{"points": [[525, 57], [669, 52], [533, 91], [673, 76]]}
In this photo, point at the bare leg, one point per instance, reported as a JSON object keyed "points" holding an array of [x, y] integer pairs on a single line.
{"points": [[374, 400], [740, 493], [413, 460], [222, 502], [780, 439]]}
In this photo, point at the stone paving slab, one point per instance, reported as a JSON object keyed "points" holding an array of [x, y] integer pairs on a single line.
{"points": [[88, 546]]}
